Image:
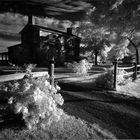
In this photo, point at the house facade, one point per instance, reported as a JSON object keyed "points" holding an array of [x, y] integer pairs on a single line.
{"points": [[38, 43]]}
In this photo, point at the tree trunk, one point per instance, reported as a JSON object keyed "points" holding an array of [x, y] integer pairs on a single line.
{"points": [[96, 56], [136, 48], [137, 55]]}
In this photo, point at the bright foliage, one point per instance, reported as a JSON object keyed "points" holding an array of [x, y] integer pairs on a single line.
{"points": [[80, 68], [34, 98]]}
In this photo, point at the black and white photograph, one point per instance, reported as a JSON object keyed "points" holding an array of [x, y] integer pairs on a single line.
{"points": [[69, 69]]}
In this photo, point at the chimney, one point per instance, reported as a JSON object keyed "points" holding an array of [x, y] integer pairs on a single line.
{"points": [[69, 30], [31, 19]]}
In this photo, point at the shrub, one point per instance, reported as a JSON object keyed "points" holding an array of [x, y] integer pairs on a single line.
{"points": [[105, 81], [122, 77], [34, 98], [80, 68]]}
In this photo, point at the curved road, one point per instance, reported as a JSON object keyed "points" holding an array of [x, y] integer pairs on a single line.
{"points": [[118, 115]]}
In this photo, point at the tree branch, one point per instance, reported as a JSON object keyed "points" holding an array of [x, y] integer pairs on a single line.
{"points": [[132, 42]]}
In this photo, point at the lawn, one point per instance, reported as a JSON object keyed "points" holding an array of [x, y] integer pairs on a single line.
{"points": [[65, 127], [130, 89]]}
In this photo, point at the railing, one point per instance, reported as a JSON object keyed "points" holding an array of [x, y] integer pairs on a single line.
{"points": [[132, 71]]}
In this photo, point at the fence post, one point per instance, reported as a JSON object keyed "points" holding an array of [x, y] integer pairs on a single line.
{"points": [[135, 71], [115, 74], [51, 70]]}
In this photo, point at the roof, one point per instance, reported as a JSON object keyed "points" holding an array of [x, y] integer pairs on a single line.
{"points": [[56, 31], [17, 45], [61, 9], [48, 29]]}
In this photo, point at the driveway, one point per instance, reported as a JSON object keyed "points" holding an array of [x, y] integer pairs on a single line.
{"points": [[117, 114]]}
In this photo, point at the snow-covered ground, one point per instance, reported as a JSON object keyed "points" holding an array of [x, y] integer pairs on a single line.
{"points": [[131, 89]]}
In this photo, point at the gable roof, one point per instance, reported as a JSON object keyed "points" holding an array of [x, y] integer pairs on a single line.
{"points": [[47, 29], [26, 27], [17, 45]]}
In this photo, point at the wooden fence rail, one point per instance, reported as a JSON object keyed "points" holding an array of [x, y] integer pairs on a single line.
{"points": [[134, 72]]}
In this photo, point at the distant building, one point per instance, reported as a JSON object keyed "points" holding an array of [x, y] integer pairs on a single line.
{"points": [[37, 45]]}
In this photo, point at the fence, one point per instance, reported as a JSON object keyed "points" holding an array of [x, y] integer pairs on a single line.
{"points": [[17, 76], [132, 71]]}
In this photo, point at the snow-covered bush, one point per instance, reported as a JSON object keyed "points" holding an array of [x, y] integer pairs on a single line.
{"points": [[122, 77], [80, 68], [34, 98]]}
